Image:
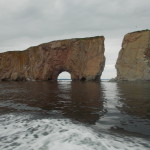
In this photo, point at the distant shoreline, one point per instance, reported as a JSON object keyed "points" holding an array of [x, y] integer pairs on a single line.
{"points": [[70, 79]]}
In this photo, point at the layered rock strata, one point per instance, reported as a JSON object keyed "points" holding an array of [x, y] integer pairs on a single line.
{"points": [[133, 62], [83, 58]]}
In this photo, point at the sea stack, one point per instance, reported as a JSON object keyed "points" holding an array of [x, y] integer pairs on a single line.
{"points": [[133, 62], [83, 58]]}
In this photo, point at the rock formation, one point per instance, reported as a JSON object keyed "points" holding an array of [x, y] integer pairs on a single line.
{"points": [[83, 58], [134, 58]]}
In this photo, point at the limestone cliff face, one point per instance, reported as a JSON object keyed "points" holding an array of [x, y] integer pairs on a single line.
{"points": [[134, 58], [83, 58]]}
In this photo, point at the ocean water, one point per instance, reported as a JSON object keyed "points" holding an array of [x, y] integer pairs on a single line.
{"points": [[67, 115]]}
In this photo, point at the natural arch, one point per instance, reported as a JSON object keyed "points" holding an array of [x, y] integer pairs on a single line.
{"points": [[83, 58], [64, 76]]}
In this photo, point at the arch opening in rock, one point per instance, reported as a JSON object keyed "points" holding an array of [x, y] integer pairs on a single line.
{"points": [[64, 76], [82, 57]]}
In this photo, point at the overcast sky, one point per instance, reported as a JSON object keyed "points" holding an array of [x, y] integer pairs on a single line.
{"points": [[24, 23]]}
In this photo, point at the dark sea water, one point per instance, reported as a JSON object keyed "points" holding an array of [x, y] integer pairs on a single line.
{"points": [[67, 115]]}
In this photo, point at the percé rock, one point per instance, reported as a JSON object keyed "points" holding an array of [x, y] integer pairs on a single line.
{"points": [[83, 58], [133, 62]]}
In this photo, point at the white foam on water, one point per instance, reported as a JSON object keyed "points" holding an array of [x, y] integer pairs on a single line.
{"points": [[17, 106], [23, 133]]}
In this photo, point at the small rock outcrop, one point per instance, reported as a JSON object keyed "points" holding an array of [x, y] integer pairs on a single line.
{"points": [[83, 58], [133, 62]]}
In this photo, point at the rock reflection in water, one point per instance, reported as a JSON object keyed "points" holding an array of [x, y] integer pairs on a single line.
{"points": [[135, 97], [86, 102], [127, 106], [81, 101]]}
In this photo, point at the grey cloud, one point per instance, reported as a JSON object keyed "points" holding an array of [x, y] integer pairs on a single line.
{"points": [[43, 18]]}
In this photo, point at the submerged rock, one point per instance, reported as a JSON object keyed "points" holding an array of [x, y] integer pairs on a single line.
{"points": [[133, 62], [83, 58]]}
